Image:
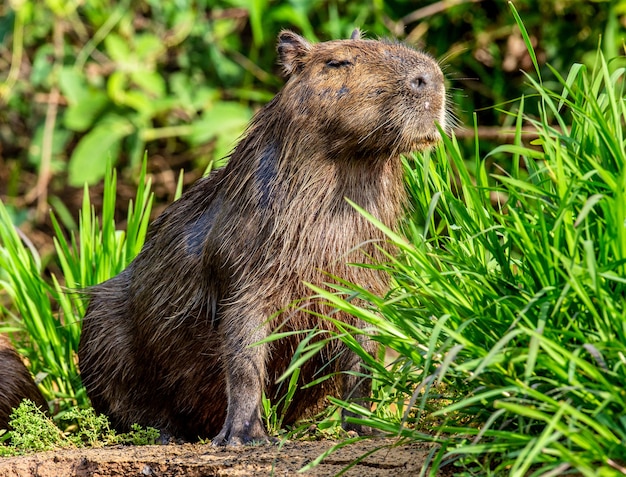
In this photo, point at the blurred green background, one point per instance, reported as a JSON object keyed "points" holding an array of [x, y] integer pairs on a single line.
{"points": [[89, 81]]}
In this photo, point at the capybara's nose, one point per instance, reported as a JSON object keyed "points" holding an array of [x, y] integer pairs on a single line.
{"points": [[421, 82]]}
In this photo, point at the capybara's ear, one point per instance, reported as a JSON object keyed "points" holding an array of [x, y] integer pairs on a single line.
{"points": [[292, 51], [356, 34]]}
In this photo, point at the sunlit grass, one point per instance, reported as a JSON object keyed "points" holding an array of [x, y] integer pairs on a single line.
{"points": [[46, 311], [509, 317]]}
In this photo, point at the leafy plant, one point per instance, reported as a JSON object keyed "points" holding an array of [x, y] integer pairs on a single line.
{"points": [[33, 431], [140, 436]]}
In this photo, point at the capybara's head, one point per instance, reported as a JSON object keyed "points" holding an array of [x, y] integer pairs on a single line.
{"points": [[363, 96]]}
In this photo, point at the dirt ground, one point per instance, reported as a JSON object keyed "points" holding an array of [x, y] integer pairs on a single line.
{"points": [[199, 460]]}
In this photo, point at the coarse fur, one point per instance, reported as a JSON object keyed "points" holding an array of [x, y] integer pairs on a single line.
{"points": [[167, 342], [16, 383]]}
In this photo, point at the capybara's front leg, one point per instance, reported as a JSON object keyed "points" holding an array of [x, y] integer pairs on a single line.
{"points": [[244, 365]]}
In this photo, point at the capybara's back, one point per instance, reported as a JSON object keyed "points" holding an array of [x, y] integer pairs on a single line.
{"points": [[168, 342], [16, 383]]}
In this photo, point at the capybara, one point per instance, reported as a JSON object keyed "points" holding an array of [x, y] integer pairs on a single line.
{"points": [[169, 341], [16, 383]]}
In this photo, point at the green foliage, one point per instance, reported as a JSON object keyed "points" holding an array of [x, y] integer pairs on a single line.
{"points": [[99, 249], [49, 310], [54, 336], [87, 429], [508, 311], [139, 436], [124, 77], [33, 431], [274, 413]]}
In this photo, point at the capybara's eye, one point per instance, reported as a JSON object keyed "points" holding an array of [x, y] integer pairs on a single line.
{"points": [[338, 63]]}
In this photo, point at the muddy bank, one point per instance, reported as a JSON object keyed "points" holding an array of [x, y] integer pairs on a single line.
{"points": [[196, 460]]}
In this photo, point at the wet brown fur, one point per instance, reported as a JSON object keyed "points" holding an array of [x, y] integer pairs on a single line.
{"points": [[16, 383], [166, 342]]}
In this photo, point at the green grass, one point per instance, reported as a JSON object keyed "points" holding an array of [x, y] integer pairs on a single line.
{"points": [[509, 318], [46, 312]]}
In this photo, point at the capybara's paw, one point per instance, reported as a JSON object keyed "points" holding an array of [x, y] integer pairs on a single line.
{"points": [[248, 434], [166, 438], [355, 430], [241, 440], [358, 430]]}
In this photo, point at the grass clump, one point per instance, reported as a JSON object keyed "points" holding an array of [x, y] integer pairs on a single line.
{"points": [[508, 313], [47, 311], [274, 413]]}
